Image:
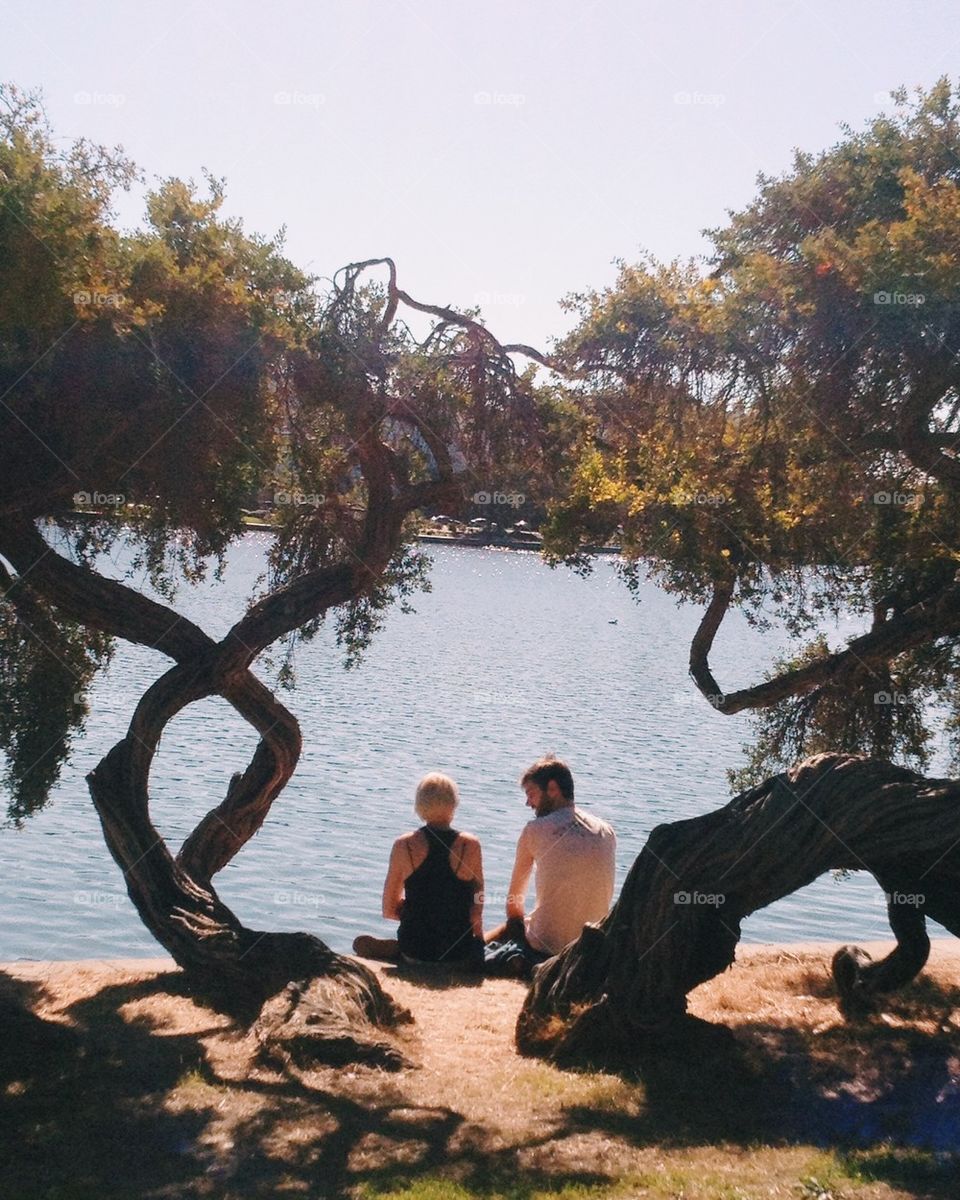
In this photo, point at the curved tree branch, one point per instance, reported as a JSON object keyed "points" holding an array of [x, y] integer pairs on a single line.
{"points": [[91, 598], [702, 641], [227, 828], [925, 449], [916, 626], [448, 316], [246, 966]]}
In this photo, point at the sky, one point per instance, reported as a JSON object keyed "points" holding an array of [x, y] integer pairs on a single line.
{"points": [[504, 153]]}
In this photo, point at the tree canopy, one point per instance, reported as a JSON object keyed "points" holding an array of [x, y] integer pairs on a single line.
{"points": [[775, 430], [166, 375], [154, 384]]}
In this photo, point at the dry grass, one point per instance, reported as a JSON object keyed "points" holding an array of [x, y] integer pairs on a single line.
{"points": [[139, 1091]]}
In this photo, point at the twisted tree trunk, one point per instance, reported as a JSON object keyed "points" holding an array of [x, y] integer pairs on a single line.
{"points": [[181, 908], [676, 924], [337, 1007], [385, 455]]}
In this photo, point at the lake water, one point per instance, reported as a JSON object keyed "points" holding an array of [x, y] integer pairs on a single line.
{"points": [[504, 660]]}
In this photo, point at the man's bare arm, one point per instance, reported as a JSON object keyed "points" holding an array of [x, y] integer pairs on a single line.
{"points": [[522, 868]]}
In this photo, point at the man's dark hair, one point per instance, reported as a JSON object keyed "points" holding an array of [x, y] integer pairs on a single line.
{"points": [[547, 768]]}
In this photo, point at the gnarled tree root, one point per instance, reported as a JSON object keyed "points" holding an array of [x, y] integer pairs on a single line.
{"points": [[242, 971], [309, 1024]]}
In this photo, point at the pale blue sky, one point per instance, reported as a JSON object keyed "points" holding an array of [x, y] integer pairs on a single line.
{"points": [[502, 152]]}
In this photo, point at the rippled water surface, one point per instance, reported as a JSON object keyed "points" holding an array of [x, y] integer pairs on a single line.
{"points": [[505, 659]]}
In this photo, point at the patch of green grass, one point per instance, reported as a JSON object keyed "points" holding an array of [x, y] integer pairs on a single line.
{"points": [[667, 1184], [572, 1089], [437, 1188], [540, 1079], [900, 1166], [799, 1173], [823, 1177], [815, 1187], [197, 1080], [606, 1094]]}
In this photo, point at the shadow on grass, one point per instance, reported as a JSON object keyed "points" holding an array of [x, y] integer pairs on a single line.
{"points": [[887, 1100], [922, 998], [434, 976], [86, 1112], [81, 1108], [772, 1085], [386, 1147]]}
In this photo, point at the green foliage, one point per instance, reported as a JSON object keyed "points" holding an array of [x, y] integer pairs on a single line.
{"points": [[357, 623], [46, 665], [135, 373], [778, 418], [881, 709], [157, 384], [133, 367]]}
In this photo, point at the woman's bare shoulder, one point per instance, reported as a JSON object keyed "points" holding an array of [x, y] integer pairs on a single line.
{"points": [[413, 836]]}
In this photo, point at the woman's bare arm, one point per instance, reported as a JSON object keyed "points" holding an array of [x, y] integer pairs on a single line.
{"points": [[397, 872]]}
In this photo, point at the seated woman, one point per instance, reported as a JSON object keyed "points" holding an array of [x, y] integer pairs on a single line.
{"points": [[434, 887]]}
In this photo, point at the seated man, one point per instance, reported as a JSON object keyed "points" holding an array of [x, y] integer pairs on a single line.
{"points": [[574, 854]]}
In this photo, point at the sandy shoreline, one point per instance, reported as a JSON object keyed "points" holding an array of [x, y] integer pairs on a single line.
{"points": [[941, 949]]}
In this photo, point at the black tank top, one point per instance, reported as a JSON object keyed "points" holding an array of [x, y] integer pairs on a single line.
{"points": [[435, 920]]}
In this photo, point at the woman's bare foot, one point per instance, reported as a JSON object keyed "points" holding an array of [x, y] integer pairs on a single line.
{"points": [[380, 949]]}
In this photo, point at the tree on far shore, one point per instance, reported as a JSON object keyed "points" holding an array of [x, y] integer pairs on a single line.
{"points": [[777, 430], [155, 381]]}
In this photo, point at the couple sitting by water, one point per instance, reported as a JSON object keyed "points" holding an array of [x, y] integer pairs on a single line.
{"points": [[434, 884]]}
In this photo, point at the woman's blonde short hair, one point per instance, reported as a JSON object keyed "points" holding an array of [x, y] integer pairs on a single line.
{"points": [[436, 794]]}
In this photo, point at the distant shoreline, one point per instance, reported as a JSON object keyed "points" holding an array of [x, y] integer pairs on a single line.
{"points": [[501, 543], [473, 541]]}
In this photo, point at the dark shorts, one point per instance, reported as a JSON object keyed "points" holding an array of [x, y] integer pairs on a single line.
{"points": [[465, 954], [512, 958]]}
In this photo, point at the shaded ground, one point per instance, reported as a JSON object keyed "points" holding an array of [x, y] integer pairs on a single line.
{"points": [[125, 1087]]}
